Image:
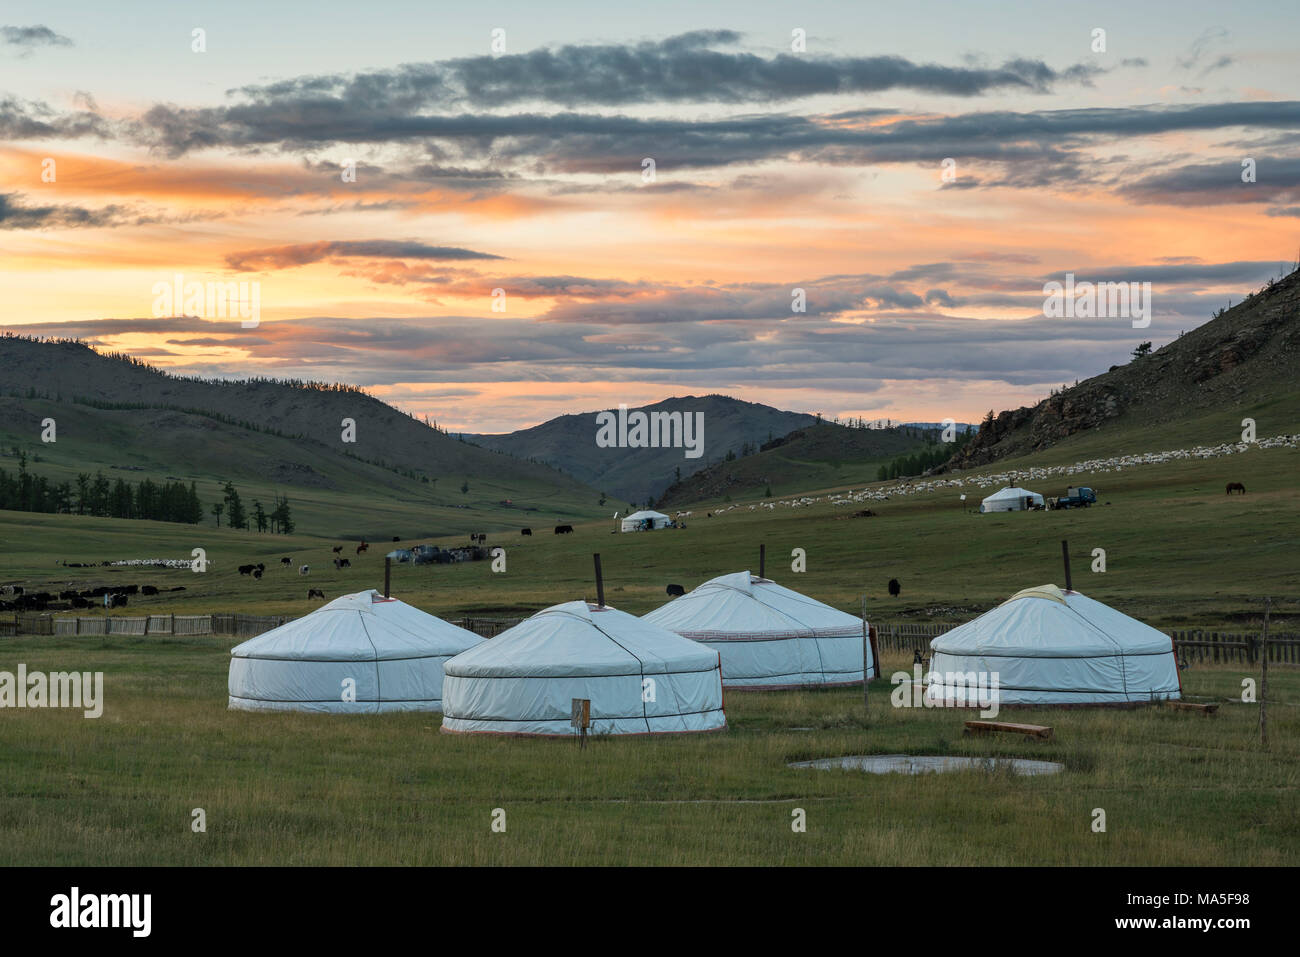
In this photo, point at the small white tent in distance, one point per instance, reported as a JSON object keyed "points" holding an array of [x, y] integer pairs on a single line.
{"points": [[640, 679], [769, 636], [1054, 647], [644, 521], [1012, 499], [358, 654]]}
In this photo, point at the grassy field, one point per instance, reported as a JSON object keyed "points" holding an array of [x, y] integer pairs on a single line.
{"points": [[1177, 788], [1179, 553]]}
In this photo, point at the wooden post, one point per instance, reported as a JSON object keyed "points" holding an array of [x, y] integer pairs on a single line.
{"points": [[866, 672], [1263, 678], [600, 582], [388, 572], [762, 561], [1065, 556]]}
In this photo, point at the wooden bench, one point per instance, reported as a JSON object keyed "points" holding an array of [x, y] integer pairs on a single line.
{"points": [[1193, 706], [988, 727]]}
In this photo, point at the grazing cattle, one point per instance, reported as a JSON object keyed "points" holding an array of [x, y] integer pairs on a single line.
{"points": [[362, 547], [1235, 487], [338, 549], [525, 531], [304, 569], [149, 590], [563, 529], [397, 538], [261, 567], [676, 590], [246, 569], [286, 561], [315, 593], [342, 563], [257, 573], [894, 588], [116, 601]]}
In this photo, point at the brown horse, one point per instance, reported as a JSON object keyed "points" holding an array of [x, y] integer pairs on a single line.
{"points": [[1235, 487]]}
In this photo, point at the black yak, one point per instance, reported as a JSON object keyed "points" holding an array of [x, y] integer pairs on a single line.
{"points": [[676, 590], [894, 588]]}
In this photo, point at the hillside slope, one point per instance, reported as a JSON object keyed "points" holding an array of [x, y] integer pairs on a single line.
{"points": [[1241, 363], [820, 456], [73, 372], [634, 475], [134, 422]]}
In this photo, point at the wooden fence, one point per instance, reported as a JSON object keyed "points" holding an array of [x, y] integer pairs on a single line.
{"points": [[231, 625], [1198, 647], [487, 627], [907, 635], [1193, 647]]}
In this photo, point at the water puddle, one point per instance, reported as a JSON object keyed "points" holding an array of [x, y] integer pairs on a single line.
{"points": [[927, 763]]}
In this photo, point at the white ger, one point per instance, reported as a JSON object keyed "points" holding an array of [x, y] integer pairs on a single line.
{"points": [[1049, 646], [640, 679], [358, 654], [769, 636]]}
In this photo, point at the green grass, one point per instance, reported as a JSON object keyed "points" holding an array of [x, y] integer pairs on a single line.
{"points": [[1179, 553], [296, 789], [1177, 788]]}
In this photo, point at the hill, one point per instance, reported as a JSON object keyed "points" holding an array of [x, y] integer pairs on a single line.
{"points": [[131, 420], [568, 442], [1197, 388], [820, 456]]}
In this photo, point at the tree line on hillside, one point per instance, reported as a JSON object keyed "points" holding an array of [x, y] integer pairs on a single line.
{"points": [[278, 520], [933, 455], [99, 496]]}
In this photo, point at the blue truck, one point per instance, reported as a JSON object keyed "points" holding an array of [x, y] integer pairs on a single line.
{"points": [[1074, 497]]}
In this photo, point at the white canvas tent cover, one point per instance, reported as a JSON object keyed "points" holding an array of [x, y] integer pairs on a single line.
{"points": [[393, 652], [637, 520], [524, 680], [769, 636], [1050, 646], [1011, 499]]}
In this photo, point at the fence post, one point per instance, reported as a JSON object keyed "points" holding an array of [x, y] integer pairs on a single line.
{"points": [[1263, 679]]}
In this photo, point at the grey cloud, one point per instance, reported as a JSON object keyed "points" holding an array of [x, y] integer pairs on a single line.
{"points": [[15, 214], [29, 38], [301, 254], [1277, 180]]}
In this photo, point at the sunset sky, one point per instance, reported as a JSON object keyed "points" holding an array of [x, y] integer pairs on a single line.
{"points": [[775, 169]]}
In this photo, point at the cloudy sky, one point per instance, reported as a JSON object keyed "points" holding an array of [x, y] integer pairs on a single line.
{"points": [[776, 168]]}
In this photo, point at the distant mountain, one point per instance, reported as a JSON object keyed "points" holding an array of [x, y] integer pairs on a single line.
{"points": [[1245, 359], [117, 412], [822, 455], [634, 475]]}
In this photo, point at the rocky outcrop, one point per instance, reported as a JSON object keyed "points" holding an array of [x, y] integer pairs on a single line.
{"points": [[1250, 350]]}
